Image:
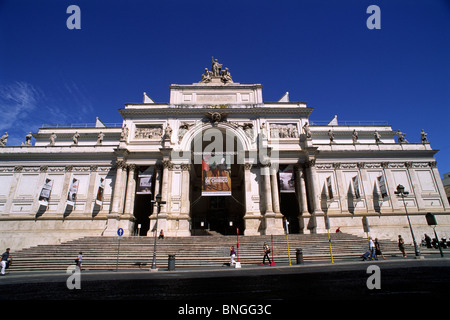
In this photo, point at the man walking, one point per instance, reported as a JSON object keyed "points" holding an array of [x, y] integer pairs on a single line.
{"points": [[4, 262], [373, 255]]}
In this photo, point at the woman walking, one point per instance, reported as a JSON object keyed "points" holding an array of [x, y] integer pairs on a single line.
{"points": [[401, 245], [378, 249], [266, 254], [232, 255]]}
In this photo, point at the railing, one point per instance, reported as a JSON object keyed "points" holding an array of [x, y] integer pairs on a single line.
{"points": [[350, 123], [81, 125]]}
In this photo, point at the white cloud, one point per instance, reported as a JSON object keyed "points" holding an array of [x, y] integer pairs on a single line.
{"points": [[24, 108], [17, 102]]}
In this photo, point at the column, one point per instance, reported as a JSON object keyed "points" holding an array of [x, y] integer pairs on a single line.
{"points": [[314, 195], [113, 217], [274, 190], [301, 194], [314, 186], [165, 185], [183, 221], [252, 219], [274, 223], [120, 165], [266, 188], [158, 172], [163, 214], [131, 191], [185, 203]]}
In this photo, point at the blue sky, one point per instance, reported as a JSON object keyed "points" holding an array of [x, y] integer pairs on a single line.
{"points": [[320, 51]]}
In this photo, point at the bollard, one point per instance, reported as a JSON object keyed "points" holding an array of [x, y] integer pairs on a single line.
{"points": [[299, 256], [171, 266]]}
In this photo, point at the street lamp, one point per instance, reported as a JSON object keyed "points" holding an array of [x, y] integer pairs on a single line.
{"points": [[158, 202], [401, 191]]}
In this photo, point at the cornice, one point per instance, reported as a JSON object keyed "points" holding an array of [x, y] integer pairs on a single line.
{"points": [[191, 110]]}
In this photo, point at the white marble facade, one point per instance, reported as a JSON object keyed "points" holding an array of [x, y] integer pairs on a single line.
{"points": [[265, 137]]}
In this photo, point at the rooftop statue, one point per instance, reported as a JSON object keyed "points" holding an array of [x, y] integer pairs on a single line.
{"points": [[216, 73]]}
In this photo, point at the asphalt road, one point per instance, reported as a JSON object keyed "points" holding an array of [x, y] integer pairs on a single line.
{"points": [[398, 279]]}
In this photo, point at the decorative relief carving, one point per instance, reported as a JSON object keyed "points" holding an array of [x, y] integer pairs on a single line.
{"points": [[283, 130], [121, 164], [149, 131], [324, 166], [247, 166], [349, 165], [396, 165], [183, 129], [167, 164], [420, 165], [18, 169], [373, 165]]}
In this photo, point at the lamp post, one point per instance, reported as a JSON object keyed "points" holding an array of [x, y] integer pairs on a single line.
{"points": [[401, 191], [158, 202]]}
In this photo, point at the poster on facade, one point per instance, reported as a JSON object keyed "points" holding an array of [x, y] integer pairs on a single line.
{"points": [[329, 188], [216, 175], [144, 185], [46, 190], [73, 189], [287, 180], [382, 184], [355, 182], [101, 189]]}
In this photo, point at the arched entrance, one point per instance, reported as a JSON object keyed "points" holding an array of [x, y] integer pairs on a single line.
{"points": [[217, 179]]}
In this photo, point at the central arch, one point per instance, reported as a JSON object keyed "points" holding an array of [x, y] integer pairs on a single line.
{"points": [[225, 148]]}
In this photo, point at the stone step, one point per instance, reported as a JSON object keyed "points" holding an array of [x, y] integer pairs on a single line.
{"points": [[100, 253]]}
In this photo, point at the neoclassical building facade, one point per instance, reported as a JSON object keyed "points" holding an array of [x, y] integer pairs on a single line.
{"points": [[222, 160]]}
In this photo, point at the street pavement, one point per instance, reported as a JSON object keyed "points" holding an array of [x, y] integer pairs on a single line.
{"points": [[395, 278]]}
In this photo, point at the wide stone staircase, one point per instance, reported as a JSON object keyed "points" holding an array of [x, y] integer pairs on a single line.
{"points": [[101, 253]]}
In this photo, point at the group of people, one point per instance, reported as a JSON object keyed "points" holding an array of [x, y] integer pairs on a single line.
{"points": [[266, 249], [375, 249]]}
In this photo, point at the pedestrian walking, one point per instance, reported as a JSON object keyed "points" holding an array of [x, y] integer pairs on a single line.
{"points": [[401, 245], [6, 259], [378, 249], [372, 250], [266, 254], [79, 260], [161, 234], [232, 255]]}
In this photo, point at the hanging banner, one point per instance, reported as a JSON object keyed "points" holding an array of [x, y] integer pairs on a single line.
{"points": [[287, 180], [216, 175], [144, 185], [355, 181], [71, 197], [101, 189], [382, 184], [329, 188], [44, 196]]}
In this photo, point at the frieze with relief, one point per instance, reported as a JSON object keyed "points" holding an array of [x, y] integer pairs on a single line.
{"points": [[283, 130], [151, 132]]}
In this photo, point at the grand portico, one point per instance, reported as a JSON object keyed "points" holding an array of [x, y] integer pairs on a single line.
{"points": [[221, 158]]}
